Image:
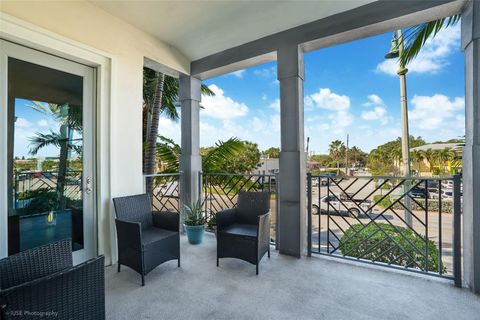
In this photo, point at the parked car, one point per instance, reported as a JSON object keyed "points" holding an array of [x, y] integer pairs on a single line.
{"points": [[343, 205], [417, 192]]}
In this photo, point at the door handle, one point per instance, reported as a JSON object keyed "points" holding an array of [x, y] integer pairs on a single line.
{"points": [[88, 185]]}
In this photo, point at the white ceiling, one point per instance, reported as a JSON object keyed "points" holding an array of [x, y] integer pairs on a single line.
{"points": [[201, 28]]}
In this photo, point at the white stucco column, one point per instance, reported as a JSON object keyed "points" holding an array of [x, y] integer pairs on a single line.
{"points": [[471, 153], [292, 179], [190, 160]]}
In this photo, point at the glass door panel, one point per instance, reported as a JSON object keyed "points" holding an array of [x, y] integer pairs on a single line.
{"points": [[50, 153]]}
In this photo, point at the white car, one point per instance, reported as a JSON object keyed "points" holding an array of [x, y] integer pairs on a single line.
{"points": [[335, 204]]}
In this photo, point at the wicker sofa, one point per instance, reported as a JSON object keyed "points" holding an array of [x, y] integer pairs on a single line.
{"points": [[146, 238], [42, 282], [244, 232]]}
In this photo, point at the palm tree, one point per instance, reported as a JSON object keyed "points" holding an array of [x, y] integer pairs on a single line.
{"points": [[429, 155], [444, 156], [70, 119], [336, 151], [160, 96], [417, 158], [415, 37], [214, 160]]}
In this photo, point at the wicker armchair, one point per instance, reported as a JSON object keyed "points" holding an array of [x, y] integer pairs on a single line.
{"points": [[42, 283], [244, 232], [146, 239]]}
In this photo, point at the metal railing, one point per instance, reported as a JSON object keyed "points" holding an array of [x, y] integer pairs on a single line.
{"points": [[27, 182], [412, 224], [219, 191], [165, 191]]}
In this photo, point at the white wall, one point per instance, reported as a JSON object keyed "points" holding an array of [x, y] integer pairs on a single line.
{"points": [[83, 24]]}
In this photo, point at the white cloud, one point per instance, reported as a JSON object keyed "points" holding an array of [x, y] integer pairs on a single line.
{"points": [[378, 110], [264, 97], [337, 106], [433, 56], [22, 123], [222, 107], [270, 72], [375, 114], [326, 99], [435, 112], [238, 74], [275, 105], [42, 123]]}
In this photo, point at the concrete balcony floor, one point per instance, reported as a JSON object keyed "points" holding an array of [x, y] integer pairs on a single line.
{"points": [[287, 288]]}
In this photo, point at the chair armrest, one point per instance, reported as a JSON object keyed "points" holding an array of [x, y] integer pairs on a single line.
{"points": [[264, 228], [75, 293], [129, 234], [166, 220], [225, 218]]}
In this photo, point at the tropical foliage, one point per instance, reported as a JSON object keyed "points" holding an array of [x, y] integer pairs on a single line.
{"points": [[232, 155]]}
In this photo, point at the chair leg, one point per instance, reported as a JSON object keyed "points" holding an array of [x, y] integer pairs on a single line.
{"points": [[118, 269], [218, 264], [256, 268], [269, 252], [143, 280], [179, 262]]}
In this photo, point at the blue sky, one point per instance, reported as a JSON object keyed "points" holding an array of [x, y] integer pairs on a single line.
{"points": [[349, 88]]}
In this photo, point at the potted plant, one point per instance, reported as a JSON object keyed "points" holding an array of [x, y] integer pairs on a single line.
{"points": [[194, 222]]}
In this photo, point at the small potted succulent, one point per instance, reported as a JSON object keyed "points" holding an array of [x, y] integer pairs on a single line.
{"points": [[194, 222]]}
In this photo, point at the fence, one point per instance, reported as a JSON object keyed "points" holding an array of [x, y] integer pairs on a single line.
{"points": [[413, 224], [165, 191], [220, 191]]}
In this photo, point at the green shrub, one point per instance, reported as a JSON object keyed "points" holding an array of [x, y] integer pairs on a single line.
{"points": [[384, 203], [43, 200], [402, 246]]}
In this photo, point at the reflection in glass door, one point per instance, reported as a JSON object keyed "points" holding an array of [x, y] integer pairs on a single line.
{"points": [[50, 151]]}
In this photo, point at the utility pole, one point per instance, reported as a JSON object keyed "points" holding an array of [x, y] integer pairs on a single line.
{"points": [[346, 156]]}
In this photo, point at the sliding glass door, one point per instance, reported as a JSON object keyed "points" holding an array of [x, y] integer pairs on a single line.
{"points": [[47, 150]]}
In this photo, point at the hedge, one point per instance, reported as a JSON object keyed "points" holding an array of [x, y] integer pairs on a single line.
{"points": [[371, 242], [447, 206]]}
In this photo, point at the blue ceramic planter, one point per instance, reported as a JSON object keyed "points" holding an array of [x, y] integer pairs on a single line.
{"points": [[195, 234]]}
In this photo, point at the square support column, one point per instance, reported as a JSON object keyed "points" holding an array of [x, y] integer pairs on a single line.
{"points": [[471, 152], [292, 180], [190, 160]]}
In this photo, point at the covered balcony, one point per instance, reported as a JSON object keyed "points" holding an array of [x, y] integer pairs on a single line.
{"points": [[323, 262]]}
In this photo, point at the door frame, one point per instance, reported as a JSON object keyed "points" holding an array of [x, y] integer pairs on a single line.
{"points": [[26, 34]]}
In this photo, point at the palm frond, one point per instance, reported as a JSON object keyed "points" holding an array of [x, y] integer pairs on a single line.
{"points": [[168, 154], [223, 152], [42, 140], [416, 37]]}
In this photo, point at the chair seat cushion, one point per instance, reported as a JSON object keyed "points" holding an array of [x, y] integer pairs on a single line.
{"points": [[237, 229], [152, 235]]}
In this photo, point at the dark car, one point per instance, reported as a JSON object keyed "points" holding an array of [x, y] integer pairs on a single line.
{"points": [[419, 192]]}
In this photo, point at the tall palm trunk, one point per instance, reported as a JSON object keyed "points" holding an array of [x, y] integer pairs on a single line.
{"points": [[150, 155]]}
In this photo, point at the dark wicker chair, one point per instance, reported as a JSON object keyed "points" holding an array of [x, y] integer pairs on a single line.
{"points": [[42, 282], [146, 239], [244, 232]]}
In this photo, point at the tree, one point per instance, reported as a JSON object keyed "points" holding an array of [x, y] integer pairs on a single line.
{"points": [[443, 156], [246, 161], [160, 96], [272, 153], [70, 119], [213, 160], [336, 152], [359, 157], [385, 159]]}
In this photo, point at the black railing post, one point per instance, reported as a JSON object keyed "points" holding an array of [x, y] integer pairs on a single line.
{"points": [[457, 211], [309, 214]]}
